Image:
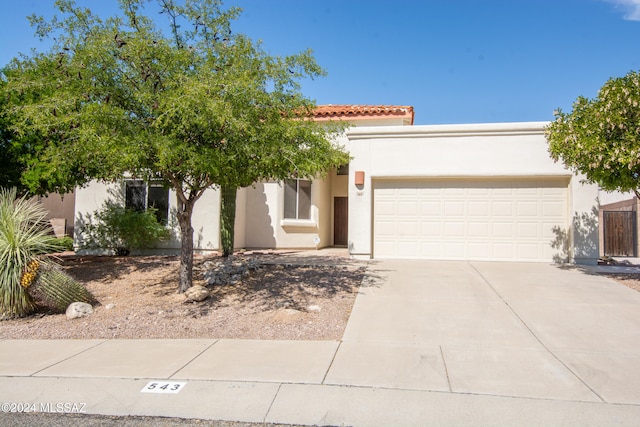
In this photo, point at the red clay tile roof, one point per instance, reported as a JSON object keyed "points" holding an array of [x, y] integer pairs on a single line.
{"points": [[372, 111]]}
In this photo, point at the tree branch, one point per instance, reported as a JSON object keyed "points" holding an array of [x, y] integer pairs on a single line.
{"points": [[167, 6]]}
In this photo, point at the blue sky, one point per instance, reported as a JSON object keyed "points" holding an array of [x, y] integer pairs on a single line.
{"points": [[455, 61]]}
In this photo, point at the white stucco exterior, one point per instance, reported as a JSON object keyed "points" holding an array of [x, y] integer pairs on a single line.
{"points": [[508, 150], [389, 149]]}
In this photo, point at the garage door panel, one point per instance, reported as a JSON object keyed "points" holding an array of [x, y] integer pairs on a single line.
{"points": [[478, 208], [431, 191], [502, 209], [528, 251], [431, 208], [547, 230], [491, 219], [408, 249], [528, 209], [527, 191], [478, 250], [407, 228], [479, 192], [503, 251], [431, 230], [385, 229], [455, 250], [408, 208], [385, 191], [430, 249], [384, 208], [452, 192], [410, 192], [502, 229], [386, 246], [553, 209], [479, 229], [528, 230], [454, 208], [454, 230]]}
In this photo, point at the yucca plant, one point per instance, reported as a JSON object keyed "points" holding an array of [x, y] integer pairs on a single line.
{"points": [[23, 236], [28, 281]]}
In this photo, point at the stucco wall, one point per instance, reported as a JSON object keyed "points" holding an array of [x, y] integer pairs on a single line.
{"points": [[482, 150], [265, 224], [205, 220], [60, 210]]}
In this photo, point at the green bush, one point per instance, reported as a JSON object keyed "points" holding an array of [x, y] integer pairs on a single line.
{"points": [[122, 230], [23, 236], [61, 244], [29, 281]]}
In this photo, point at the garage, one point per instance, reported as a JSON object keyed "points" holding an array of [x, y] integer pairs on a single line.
{"points": [[505, 219]]}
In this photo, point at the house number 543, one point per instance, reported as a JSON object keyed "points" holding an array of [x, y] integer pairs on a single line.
{"points": [[163, 387]]}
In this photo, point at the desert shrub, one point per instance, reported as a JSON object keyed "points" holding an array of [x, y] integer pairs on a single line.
{"points": [[24, 238], [122, 230], [61, 244]]}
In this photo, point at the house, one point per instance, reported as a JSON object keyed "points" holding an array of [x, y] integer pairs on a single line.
{"points": [[470, 192]]}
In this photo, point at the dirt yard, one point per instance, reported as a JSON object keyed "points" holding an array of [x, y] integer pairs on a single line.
{"points": [[629, 280], [286, 298]]}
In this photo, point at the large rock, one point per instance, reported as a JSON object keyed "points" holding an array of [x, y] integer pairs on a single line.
{"points": [[196, 293], [78, 309], [230, 270]]}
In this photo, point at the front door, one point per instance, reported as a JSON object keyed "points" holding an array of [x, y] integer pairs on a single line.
{"points": [[340, 221]]}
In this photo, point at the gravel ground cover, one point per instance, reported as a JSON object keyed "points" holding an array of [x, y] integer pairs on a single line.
{"points": [[287, 298]]}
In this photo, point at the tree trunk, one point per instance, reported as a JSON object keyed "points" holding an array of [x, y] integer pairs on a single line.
{"points": [[227, 218], [186, 247]]}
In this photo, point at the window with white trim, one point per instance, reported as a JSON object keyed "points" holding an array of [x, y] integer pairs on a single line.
{"points": [[141, 196], [297, 199]]}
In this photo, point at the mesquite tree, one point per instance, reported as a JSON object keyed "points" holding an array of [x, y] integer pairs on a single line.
{"points": [[194, 107], [601, 137]]}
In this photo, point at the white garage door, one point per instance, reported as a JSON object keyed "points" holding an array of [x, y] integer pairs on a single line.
{"points": [[469, 219]]}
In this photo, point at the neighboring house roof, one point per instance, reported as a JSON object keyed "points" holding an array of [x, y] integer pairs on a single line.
{"points": [[327, 112]]}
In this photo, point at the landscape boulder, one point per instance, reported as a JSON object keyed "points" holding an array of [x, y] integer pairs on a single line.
{"points": [[196, 293], [78, 309]]}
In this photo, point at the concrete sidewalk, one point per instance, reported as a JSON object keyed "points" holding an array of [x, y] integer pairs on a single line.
{"points": [[428, 343]]}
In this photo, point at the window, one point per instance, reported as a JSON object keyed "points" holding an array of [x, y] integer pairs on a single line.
{"points": [[343, 170], [297, 199], [140, 196]]}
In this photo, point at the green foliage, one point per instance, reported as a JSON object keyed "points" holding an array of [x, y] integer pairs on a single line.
{"points": [[23, 236], [195, 108], [12, 152], [600, 138], [227, 219], [26, 160], [27, 280], [61, 244], [122, 230]]}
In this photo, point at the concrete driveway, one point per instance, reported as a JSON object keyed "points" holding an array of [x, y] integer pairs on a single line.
{"points": [[507, 329]]}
